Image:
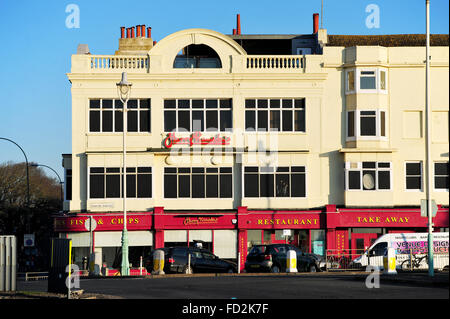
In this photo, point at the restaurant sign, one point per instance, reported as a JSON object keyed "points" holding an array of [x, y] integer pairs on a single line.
{"points": [[103, 222], [195, 139]]}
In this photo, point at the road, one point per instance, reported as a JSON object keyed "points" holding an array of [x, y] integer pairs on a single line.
{"points": [[317, 286]]}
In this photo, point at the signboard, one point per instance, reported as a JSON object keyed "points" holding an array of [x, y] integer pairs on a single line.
{"points": [[286, 232], [28, 240], [424, 208], [195, 139], [103, 222]]}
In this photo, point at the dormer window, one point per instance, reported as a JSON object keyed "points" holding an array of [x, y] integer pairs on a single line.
{"points": [[197, 56]]}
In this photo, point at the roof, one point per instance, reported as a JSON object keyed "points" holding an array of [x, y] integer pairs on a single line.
{"points": [[388, 40]]}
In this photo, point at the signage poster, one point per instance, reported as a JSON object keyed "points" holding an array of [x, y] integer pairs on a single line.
{"points": [[318, 247]]}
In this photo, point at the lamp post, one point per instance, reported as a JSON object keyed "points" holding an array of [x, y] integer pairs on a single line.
{"points": [[60, 181], [123, 90], [428, 144]]}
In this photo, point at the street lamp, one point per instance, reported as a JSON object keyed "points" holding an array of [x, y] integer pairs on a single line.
{"points": [[60, 182], [123, 90]]}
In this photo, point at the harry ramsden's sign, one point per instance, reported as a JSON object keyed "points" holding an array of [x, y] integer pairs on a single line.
{"points": [[200, 220], [195, 139]]}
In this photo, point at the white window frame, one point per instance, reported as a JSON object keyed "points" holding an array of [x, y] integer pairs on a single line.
{"points": [[357, 128], [376, 169], [274, 173], [357, 75], [421, 176], [88, 195], [190, 174], [444, 190], [204, 110]]}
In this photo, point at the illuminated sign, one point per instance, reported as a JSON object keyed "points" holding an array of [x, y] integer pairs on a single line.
{"points": [[195, 139], [289, 221], [200, 220]]}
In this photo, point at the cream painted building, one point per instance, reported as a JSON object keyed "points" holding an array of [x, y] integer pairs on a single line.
{"points": [[229, 124]]}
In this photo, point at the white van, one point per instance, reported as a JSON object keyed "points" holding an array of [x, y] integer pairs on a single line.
{"points": [[407, 245]]}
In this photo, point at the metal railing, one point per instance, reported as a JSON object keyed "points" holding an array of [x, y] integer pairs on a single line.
{"points": [[355, 259]]}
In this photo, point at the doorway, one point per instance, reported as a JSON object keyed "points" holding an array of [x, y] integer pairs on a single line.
{"points": [[361, 242]]}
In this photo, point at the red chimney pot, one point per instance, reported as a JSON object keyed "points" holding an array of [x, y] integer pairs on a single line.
{"points": [[315, 22], [128, 32], [149, 32], [132, 32], [138, 31], [238, 24], [122, 32], [143, 30]]}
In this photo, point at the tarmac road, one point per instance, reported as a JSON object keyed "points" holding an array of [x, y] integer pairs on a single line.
{"points": [[299, 286]]}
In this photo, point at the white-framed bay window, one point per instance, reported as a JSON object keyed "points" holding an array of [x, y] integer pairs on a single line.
{"points": [[366, 125], [366, 80]]}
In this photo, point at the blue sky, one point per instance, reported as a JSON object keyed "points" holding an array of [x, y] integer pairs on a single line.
{"points": [[36, 46]]}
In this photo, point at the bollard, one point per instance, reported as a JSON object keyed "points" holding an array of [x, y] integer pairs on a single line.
{"points": [[389, 262], [158, 262], [8, 263], [291, 261]]}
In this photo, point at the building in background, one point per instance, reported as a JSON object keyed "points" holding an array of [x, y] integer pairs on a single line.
{"points": [[234, 138]]}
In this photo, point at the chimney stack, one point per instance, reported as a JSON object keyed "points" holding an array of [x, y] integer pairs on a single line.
{"points": [[315, 23], [238, 27], [133, 40]]}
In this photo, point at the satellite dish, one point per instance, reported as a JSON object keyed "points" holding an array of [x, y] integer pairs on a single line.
{"points": [[368, 181]]}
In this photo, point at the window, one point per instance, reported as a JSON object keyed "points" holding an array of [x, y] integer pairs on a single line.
{"points": [[198, 115], [367, 80], [198, 182], [197, 56], [107, 182], [281, 115], [105, 115], [366, 124], [413, 176], [441, 176], [274, 182], [368, 176], [68, 184]]}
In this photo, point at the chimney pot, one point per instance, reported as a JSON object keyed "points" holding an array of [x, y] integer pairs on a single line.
{"points": [[143, 30], [315, 22], [234, 31], [122, 32], [132, 32], [238, 24], [149, 32], [128, 32], [138, 31]]}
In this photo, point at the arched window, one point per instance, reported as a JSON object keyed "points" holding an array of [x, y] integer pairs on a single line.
{"points": [[197, 56]]}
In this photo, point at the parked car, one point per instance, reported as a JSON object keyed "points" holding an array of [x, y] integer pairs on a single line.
{"points": [[202, 261], [273, 258]]}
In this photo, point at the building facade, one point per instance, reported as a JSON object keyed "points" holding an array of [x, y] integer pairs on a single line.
{"points": [[232, 139]]}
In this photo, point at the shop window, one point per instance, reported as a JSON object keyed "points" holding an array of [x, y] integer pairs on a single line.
{"points": [[107, 182], [274, 182], [198, 182], [441, 176], [413, 173], [105, 115], [197, 115], [367, 176], [280, 115]]}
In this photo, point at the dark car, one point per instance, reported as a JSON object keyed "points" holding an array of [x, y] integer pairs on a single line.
{"points": [[272, 258], [202, 261]]}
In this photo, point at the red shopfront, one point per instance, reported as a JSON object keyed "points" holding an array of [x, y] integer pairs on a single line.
{"points": [[305, 229], [358, 228]]}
